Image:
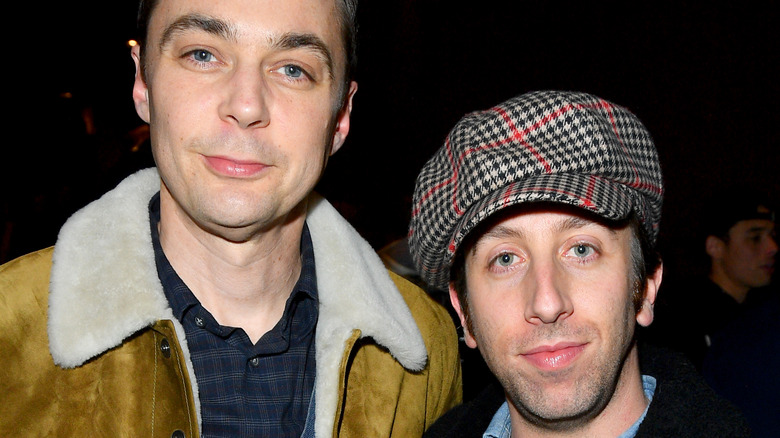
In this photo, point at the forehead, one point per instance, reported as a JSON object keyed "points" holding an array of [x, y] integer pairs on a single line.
{"points": [[256, 21], [752, 226], [543, 224]]}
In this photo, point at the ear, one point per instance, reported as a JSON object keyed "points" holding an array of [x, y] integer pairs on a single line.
{"points": [[342, 123], [470, 341], [645, 315], [714, 247], [140, 90]]}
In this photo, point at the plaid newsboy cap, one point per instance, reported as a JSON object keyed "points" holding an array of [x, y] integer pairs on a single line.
{"points": [[546, 146]]}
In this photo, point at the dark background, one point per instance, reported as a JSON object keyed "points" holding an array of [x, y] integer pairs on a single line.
{"points": [[702, 78]]}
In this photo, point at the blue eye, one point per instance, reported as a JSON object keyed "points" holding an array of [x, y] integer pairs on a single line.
{"points": [[292, 71], [582, 250], [202, 56], [505, 259]]}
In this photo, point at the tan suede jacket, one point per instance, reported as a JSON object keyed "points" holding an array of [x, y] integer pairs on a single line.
{"points": [[89, 347]]}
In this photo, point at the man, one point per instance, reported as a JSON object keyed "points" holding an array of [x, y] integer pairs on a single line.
{"points": [[540, 216], [221, 297], [739, 240], [735, 341], [741, 246]]}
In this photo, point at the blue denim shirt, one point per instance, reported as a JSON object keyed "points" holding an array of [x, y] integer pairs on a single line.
{"points": [[501, 425]]}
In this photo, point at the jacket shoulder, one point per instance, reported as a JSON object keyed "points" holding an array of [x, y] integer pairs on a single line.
{"points": [[24, 288], [24, 304], [437, 329], [428, 314], [684, 405]]}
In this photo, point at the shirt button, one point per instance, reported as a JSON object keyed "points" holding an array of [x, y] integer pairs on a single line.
{"points": [[255, 362], [200, 322], [177, 434]]}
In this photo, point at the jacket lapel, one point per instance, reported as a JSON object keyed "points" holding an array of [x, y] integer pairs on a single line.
{"points": [[104, 284], [104, 287]]}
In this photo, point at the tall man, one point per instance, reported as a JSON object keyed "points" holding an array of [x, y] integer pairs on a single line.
{"points": [[220, 297], [540, 215]]}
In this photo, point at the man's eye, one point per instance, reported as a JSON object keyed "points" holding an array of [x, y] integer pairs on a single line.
{"points": [[202, 56], [292, 71], [582, 250], [506, 259]]}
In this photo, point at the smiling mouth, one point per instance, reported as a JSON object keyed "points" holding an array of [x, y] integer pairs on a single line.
{"points": [[234, 168], [554, 357]]}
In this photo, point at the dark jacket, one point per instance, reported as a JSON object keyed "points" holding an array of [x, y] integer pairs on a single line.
{"points": [[683, 405]]}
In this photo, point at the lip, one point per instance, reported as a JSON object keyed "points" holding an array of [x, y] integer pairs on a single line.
{"points": [[234, 168], [554, 357]]}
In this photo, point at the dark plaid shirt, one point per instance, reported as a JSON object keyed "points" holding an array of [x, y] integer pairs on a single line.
{"points": [[248, 390]]}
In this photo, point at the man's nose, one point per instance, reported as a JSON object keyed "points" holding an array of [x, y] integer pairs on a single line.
{"points": [[771, 245], [548, 301], [246, 99]]}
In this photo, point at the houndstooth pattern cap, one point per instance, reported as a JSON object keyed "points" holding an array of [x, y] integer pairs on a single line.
{"points": [[565, 147]]}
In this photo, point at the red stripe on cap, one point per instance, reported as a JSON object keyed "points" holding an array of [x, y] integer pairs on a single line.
{"points": [[517, 135], [441, 184], [520, 136], [589, 190], [509, 190]]}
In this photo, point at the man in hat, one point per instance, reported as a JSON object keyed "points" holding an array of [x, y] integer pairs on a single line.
{"points": [[540, 217], [738, 238], [741, 247]]}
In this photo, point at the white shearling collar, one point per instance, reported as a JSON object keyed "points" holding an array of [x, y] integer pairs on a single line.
{"points": [[104, 287]]}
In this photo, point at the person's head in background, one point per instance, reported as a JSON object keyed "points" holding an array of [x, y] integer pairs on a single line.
{"points": [[741, 242]]}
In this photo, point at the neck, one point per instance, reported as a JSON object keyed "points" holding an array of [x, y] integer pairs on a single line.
{"points": [[242, 284], [736, 290], [623, 409]]}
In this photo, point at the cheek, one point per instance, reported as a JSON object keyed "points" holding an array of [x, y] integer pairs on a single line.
{"points": [[753, 251], [496, 314]]}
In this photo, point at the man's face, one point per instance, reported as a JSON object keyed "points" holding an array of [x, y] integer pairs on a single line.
{"points": [[242, 101], [748, 258], [549, 295]]}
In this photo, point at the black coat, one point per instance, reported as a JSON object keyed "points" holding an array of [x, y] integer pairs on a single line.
{"points": [[683, 405]]}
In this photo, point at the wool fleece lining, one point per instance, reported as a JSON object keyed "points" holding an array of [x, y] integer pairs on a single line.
{"points": [[104, 288]]}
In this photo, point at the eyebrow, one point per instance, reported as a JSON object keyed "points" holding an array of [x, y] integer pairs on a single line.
{"points": [[498, 232], [211, 25], [575, 222], [293, 40], [225, 30], [502, 232], [760, 229]]}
